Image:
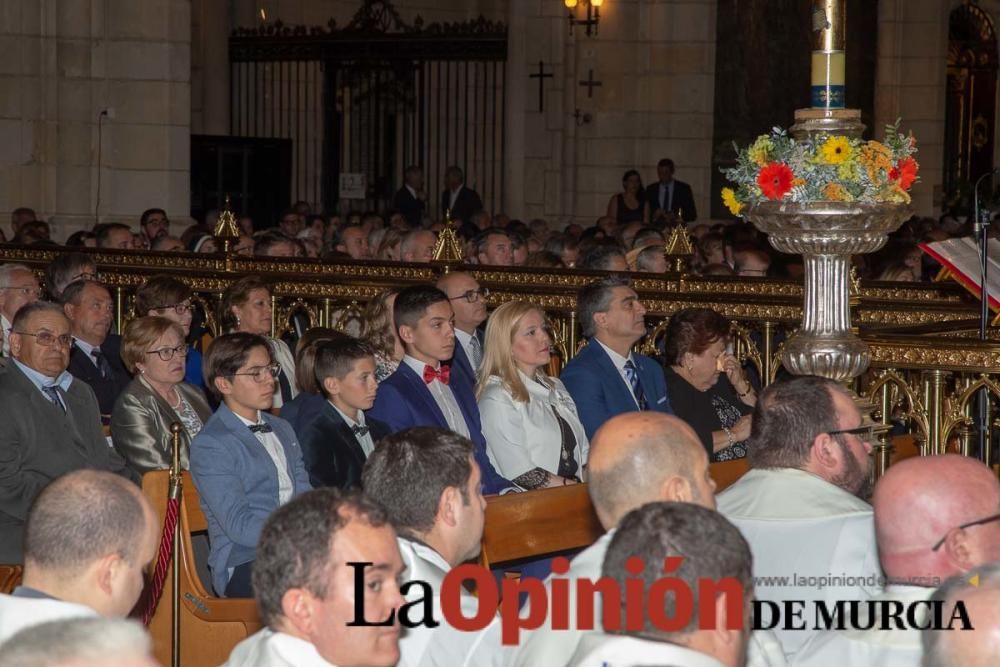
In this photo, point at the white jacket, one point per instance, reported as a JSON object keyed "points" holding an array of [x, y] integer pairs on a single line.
{"points": [[275, 649], [811, 540], [444, 646], [555, 648], [20, 612], [524, 436], [871, 648]]}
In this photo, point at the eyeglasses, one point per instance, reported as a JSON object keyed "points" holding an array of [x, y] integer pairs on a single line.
{"points": [[979, 522], [866, 433], [262, 373], [48, 339], [179, 308], [167, 353], [27, 291], [86, 275], [473, 295]]}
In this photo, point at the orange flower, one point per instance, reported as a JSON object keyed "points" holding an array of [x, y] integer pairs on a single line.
{"points": [[905, 172], [775, 180]]}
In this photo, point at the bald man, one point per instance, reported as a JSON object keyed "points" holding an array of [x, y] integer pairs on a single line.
{"points": [[979, 591], [927, 511], [635, 458]]}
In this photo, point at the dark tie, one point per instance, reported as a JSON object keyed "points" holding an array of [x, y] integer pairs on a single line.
{"points": [[477, 353], [101, 361], [441, 375], [359, 431], [632, 373], [261, 428], [53, 395], [286, 388]]}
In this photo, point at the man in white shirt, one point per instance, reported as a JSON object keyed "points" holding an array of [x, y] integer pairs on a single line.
{"points": [[18, 286], [802, 507], [319, 556], [468, 301], [440, 525], [979, 592], [635, 458], [87, 539], [935, 517], [710, 550]]}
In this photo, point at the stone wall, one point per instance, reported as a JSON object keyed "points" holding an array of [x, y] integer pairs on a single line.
{"points": [[64, 61]]}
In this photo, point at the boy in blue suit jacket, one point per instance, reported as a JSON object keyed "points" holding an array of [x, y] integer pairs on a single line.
{"points": [[245, 462], [425, 392], [606, 378]]}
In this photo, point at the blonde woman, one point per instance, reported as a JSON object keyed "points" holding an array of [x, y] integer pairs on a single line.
{"points": [[529, 419], [379, 332]]}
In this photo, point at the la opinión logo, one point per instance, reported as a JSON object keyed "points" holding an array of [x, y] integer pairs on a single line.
{"points": [[628, 607]]}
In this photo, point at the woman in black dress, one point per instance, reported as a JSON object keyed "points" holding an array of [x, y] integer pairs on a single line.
{"points": [[629, 206], [706, 384]]}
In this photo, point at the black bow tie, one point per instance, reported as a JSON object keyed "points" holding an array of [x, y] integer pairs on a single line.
{"points": [[360, 431], [261, 428]]}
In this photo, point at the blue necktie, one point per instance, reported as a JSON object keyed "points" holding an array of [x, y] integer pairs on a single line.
{"points": [[53, 395], [632, 373]]}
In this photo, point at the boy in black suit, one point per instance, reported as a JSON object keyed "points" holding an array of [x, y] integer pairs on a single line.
{"points": [[337, 443]]}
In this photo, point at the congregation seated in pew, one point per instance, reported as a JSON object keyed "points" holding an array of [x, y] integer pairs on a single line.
{"points": [[308, 403]]}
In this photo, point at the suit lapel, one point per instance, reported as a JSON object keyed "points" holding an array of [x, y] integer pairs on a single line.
{"points": [[344, 431], [622, 393], [421, 395]]}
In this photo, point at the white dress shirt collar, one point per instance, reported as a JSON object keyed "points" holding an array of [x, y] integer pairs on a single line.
{"points": [[297, 651], [618, 360], [418, 366]]}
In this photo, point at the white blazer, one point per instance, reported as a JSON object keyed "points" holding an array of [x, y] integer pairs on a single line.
{"points": [[810, 539], [869, 648], [524, 436], [283, 357], [20, 612], [444, 646]]}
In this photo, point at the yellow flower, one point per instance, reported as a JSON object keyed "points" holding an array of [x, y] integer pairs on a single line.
{"points": [[896, 194], [732, 203], [836, 192], [835, 150], [875, 157], [848, 171], [760, 151]]}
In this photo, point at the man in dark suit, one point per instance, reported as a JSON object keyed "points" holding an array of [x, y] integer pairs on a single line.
{"points": [[667, 196], [423, 391], [336, 444], [606, 378], [51, 424], [458, 199], [410, 200], [96, 354], [468, 301]]}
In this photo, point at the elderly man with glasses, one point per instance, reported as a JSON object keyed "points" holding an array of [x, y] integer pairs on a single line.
{"points": [[18, 287], [468, 300], [51, 423], [803, 507], [935, 517]]}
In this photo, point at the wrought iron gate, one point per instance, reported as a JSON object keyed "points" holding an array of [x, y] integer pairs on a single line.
{"points": [[374, 97]]}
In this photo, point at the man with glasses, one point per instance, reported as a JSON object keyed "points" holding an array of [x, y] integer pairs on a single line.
{"points": [[96, 356], [803, 506], [468, 301], [935, 517], [154, 225], [18, 286], [51, 423], [245, 462], [68, 268]]}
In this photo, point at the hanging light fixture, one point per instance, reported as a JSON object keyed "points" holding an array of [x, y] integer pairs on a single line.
{"points": [[593, 15]]}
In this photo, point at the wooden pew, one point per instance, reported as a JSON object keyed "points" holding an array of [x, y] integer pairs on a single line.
{"points": [[210, 626], [725, 473], [10, 577]]}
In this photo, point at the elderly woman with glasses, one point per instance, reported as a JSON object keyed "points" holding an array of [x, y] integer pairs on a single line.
{"points": [[164, 296], [154, 351]]}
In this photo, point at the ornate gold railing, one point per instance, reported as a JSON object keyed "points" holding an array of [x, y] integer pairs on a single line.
{"points": [[926, 361]]}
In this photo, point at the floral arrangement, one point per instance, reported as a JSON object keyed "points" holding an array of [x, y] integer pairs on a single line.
{"points": [[823, 168]]}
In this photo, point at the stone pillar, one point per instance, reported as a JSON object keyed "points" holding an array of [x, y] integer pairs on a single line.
{"points": [[209, 67], [516, 100], [62, 62], [911, 84]]}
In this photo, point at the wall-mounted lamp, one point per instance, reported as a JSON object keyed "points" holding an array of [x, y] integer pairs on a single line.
{"points": [[593, 15]]}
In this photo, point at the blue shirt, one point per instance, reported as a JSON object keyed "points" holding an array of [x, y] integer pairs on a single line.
{"points": [[40, 380]]}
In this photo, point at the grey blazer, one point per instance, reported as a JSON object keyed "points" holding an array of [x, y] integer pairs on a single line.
{"points": [[39, 442], [140, 425]]}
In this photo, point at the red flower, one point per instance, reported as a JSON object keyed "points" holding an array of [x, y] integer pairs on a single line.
{"points": [[905, 172], [775, 180]]}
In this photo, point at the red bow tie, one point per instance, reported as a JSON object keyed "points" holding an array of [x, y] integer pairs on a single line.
{"points": [[442, 375]]}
